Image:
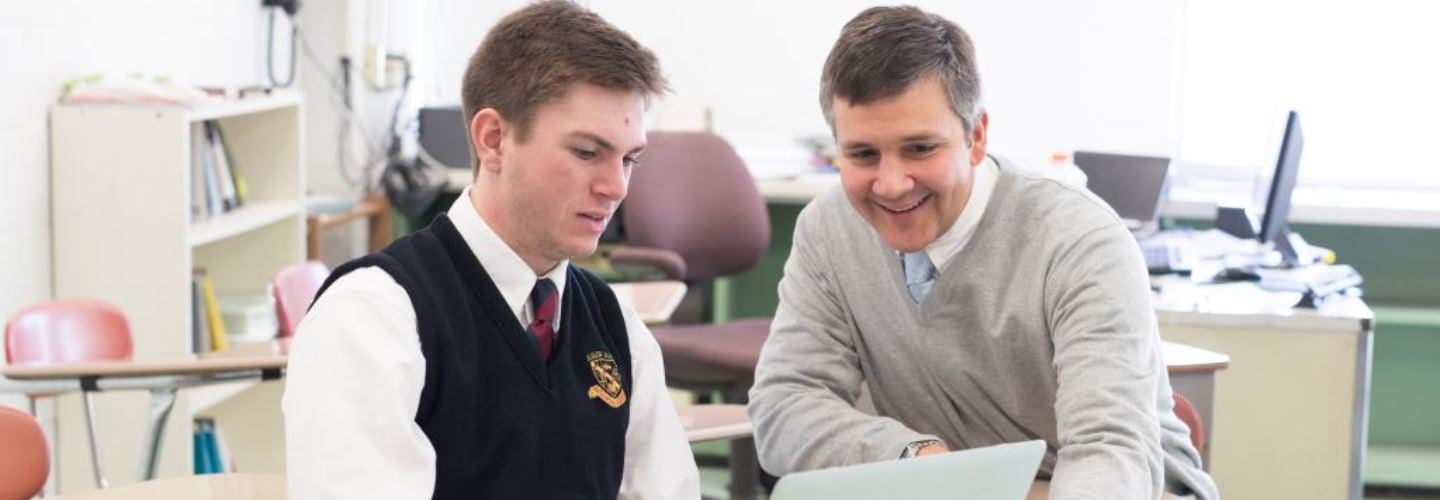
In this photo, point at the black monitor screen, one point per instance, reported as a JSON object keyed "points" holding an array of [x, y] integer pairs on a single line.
{"points": [[1277, 204]]}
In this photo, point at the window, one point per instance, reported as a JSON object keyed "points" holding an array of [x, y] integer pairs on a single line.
{"points": [[1365, 78]]}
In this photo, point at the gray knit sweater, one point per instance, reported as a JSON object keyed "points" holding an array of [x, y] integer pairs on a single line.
{"points": [[1040, 327]]}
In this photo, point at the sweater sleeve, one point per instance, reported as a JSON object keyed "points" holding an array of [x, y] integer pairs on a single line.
{"points": [[1107, 366], [809, 376]]}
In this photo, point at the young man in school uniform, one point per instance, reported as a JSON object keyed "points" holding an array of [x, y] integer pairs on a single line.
{"points": [[980, 303], [470, 359]]}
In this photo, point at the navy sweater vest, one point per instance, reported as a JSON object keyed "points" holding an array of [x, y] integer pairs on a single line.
{"points": [[505, 424]]}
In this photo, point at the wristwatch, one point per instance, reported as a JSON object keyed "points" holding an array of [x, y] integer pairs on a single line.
{"points": [[913, 449]]}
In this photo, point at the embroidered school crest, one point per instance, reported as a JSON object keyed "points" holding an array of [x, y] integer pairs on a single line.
{"points": [[608, 388]]}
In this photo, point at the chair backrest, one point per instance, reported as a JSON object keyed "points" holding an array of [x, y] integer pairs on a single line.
{"points": [[24, 459], [294, 288], [1191, 416], [694, 196], [67, 331]]}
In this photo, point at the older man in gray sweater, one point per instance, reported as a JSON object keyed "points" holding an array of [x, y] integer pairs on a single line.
{"points": [[982, 304]]}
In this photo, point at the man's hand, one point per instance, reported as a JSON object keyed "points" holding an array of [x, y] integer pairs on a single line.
{"points": [[934, 448]]}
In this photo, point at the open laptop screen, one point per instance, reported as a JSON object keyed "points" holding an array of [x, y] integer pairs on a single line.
{"points": [[1134, 186]]}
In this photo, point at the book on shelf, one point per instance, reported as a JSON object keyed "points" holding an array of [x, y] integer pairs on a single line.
{"points": [[211, 454], [203, 461], [218, 340], [199, 208], [229, 200], [199, 314], [216, 184], [212, 182], [237, 181]]}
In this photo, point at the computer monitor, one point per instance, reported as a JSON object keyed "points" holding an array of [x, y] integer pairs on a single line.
{"points": [[1134, 186], [1273, 222]]}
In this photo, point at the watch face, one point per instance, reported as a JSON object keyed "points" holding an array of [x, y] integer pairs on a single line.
{"points": [[913, 449]]}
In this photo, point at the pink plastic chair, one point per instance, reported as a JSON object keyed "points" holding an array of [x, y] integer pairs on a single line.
{"points": [[24, 459], [1191, 417], [70, 331], [294, 288]]}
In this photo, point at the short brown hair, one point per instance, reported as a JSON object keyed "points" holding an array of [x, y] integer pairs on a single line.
{"points": [[885, 49], [534, 54]]}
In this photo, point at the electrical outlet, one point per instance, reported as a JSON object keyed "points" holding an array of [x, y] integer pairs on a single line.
{"points": [[377, 67]]}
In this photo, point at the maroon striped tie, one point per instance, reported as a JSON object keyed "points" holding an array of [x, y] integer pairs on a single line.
{"points": [[545, 301]]}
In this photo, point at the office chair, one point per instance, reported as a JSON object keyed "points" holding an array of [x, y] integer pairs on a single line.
{"points": [[294, 289], [70, 331], [693, 211], [24, 460]]}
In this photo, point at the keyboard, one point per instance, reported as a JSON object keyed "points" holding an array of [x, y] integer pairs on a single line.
{"points": [[1164, 257]]}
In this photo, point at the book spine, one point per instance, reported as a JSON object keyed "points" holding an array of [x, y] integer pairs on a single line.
{"points": [[217, 324]]}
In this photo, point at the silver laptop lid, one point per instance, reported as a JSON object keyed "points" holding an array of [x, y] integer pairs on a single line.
{"points": [[1134, 186], [1003, 472]]}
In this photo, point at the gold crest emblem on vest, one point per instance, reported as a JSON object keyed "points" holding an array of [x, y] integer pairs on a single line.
{"points": [[608, 388]]}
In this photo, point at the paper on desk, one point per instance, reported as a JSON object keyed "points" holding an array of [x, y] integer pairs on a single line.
{"points": [[1209, 244], [1224, 298]]}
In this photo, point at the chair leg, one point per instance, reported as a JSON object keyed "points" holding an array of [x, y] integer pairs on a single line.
{"points": [[744, 464], [161, 401], [744, 467], [94, 440], [46, 429]]}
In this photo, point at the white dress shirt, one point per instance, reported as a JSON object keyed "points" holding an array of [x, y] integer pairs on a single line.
{"points": [[949, 244], [356, 372]]}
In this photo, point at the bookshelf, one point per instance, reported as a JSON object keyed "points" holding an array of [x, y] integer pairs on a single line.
{"points": [[124, 233]]}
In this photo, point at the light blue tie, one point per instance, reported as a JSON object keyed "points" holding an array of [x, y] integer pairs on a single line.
{"points": [[919, 274]]}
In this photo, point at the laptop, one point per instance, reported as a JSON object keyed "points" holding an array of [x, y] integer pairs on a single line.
{"points": [[1002, 472], [1134, 186]]}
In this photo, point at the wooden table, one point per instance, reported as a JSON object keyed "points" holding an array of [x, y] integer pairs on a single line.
{"points": [[715, 422], [237, 486]]}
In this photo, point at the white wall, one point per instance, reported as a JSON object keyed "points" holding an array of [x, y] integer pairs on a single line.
{"points": [[43, 45], [338, 28], [1056, 75]]}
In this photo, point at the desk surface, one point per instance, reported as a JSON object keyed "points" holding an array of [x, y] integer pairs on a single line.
{"points": [[241, 358], [715, 422], [273, 355], [240, 486], [654, 301], [1181, 358]]}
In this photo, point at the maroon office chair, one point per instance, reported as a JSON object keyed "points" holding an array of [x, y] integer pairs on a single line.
{"points": [[70, 331], [694, 212], [294, 289], [24, 459]]}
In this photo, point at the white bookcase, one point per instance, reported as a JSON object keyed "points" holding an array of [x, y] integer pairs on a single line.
{"points": [[120, 193]]}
